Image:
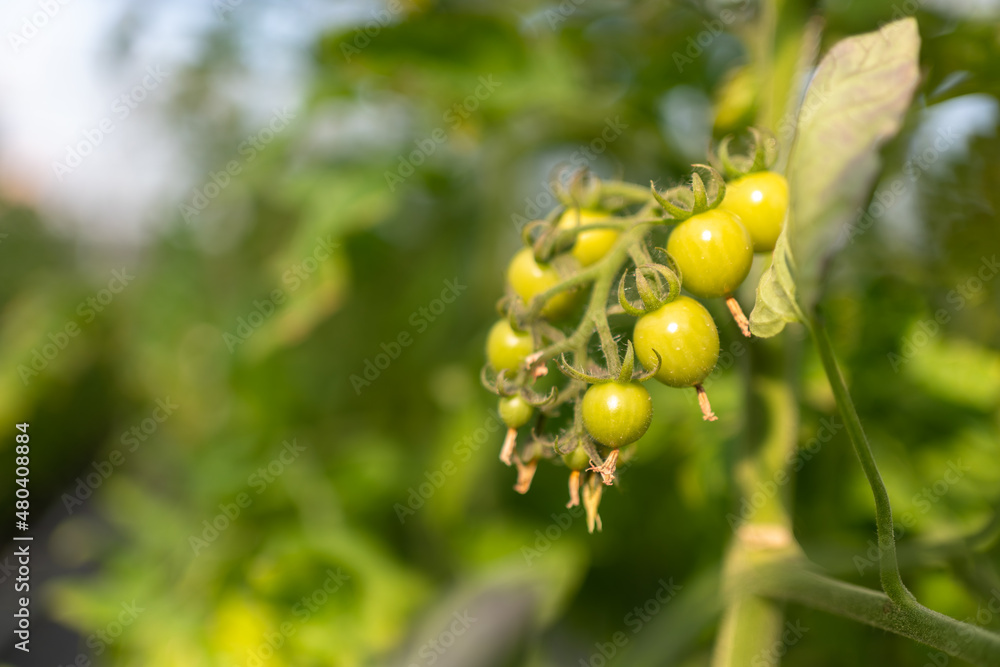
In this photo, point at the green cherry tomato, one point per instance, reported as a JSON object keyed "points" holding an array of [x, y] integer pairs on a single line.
{"points": [[683, 333], [713, 251], [515, 411], [578, 459], [506, 349], [617, 414], [593, 244], [761, 202], [528, 278]]}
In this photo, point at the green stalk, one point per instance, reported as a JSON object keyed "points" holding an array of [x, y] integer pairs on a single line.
{"points": [[602, 274], [795, 583], [751, 624], [630, 192], [892, 582]]}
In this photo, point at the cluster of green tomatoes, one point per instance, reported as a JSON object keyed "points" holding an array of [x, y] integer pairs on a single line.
{"points": [[571, 293]]}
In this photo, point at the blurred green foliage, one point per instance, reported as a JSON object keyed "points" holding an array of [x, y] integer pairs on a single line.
{"points": [[338, 260]]}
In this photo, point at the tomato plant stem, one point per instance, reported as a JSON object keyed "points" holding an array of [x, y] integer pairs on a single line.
{"points": [[630, 192], [602, 275], [798, 583], [892, 582]]}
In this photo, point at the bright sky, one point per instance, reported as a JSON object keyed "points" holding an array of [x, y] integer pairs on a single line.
{"points": [[61, 86]]}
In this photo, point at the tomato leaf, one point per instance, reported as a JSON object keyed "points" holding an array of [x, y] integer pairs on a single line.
{"points": [[776, 303], [854, 105]]}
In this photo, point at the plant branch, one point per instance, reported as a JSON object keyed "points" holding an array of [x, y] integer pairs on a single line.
{"points": [[602, 274], [628, 191], [892, 582], [802, 585]]}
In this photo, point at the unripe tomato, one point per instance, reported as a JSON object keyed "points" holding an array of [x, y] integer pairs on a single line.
{"points": [[506, 349], [593, 244], [528, 278], [616, 414], [713, 251], [578, 459], [761, 202], [683, 333], [515, 411]]}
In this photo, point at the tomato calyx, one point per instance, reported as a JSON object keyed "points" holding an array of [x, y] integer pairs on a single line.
{"points": [[626, 373], [607, 469], [653, 294], [682, 202], [759, 155], [503, 384]]}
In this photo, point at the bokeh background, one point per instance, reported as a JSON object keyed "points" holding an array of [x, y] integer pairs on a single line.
{"points": [[216, 218]]}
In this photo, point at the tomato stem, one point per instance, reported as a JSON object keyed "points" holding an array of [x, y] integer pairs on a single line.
{"points": [[525, 473], [738, 315], [706, 407], [574, 489], [892, 582], [509, 443]]}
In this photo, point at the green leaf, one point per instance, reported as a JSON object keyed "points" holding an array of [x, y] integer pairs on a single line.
{"points": [[854, 105], [776, 303]]}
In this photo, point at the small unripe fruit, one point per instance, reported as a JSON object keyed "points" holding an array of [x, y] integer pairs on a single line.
{"points": [[515, 411], [593, 244], [714, 252], [760, 200], [528, 278], [578, 459], [616, 414], [507, 349], [683, 333]]}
